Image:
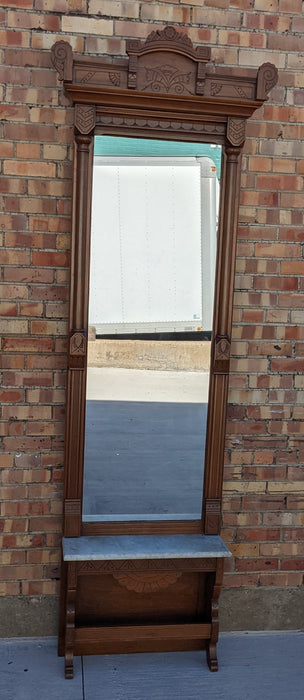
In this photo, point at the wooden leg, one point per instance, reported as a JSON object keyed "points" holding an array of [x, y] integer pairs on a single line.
{"points": [[212, 657], [70, 620], [214, 610], [69, 665]]}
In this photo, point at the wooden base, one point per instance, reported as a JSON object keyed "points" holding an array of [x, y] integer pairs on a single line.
{"points": [[104, 613]]}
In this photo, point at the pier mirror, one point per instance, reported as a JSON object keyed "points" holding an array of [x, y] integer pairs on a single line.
{"points": [[158, 141]]}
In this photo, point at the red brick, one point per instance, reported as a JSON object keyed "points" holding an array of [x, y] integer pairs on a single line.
{"points": [[33, 20], [30, 274], [292, 564], [14, 38], [26, 132], [48, 259], [240, 580], [261, 564], [279, 250], [11, 396], [27, 345]]}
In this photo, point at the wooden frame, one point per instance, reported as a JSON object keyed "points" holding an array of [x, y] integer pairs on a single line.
{"points": [[165, 89]]}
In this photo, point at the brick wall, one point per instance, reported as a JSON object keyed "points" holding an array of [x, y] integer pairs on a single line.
{"points": [[263, 489]]}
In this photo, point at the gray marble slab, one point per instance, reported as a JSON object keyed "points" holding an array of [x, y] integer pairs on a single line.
{"points": [[143, 547]]}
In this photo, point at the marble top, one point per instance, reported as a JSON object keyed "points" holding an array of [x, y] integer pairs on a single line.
{"points": [[143, 547]]}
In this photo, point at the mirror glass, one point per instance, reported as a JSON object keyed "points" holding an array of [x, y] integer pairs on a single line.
{"points": [[153, 248]]}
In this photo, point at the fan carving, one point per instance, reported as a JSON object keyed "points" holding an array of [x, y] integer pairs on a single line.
{"points": [[147, 584]]}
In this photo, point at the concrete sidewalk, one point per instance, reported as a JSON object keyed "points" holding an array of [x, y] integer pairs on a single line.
{"points": [[253, 666]]}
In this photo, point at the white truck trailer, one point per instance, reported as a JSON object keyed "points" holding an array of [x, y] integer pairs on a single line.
{"points": [[153, 244]]}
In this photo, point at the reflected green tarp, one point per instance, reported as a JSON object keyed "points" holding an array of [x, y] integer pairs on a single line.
{"points": [[113, 146]]}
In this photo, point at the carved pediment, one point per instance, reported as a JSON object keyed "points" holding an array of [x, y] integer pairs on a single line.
{"points": [[167, 62]]}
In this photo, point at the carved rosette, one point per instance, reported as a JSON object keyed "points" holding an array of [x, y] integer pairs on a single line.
{"points": [[62, 59], [85, 118], [266, 79], [114, 78], [147, 583], [236, 131]]}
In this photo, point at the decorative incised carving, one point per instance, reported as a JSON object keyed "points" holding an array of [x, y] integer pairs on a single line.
{"points": [[155, 565], [183, 72], [169, 34], [108, 120], [115, 78], [266, 79], [148, 584], [240, 91], [222, 348], [236, 131], [166, 78], [78, 343], [213, 505], [62, 59], [132, 72], [87, 76], [72, 506], [200, 78], [85, 118], [213, 524], [221, 354], [215, 88], [161, 37]]}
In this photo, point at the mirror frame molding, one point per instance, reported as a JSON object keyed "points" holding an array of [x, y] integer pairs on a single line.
{"points": [[135, 97]]}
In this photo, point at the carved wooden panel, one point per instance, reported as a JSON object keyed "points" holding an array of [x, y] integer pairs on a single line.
{"points": [[221, 354], [236, 129], [102, 76], [213, 515], [87, 567], [266, 79], [72, 506], [78, 343], [149, 583], [167, 63], [85, 118], [62, 59], [219, 85], [161, 125]]}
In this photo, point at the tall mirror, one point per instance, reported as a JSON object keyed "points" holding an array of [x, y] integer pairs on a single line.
{"points": [[154, 222], [158, 140]]}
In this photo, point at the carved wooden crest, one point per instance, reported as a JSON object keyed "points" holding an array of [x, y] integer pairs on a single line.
{"points": [[167, 62]]}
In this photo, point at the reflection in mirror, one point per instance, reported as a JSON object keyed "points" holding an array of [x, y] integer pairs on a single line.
{"points": [[153, 248]]}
